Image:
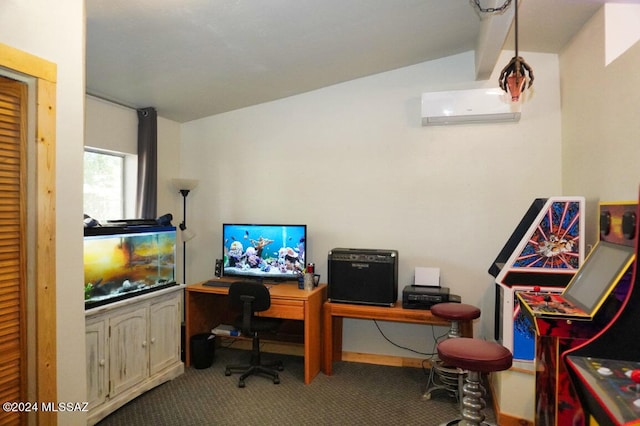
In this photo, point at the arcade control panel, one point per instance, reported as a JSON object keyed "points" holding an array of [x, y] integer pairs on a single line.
{"points": [[615, 382], [549, 303]]}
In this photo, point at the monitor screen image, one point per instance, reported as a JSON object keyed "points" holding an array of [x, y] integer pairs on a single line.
{"points": [[602, 269], [266, 251]]}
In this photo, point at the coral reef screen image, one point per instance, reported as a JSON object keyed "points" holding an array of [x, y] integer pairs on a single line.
{"points": [[264, 251]]}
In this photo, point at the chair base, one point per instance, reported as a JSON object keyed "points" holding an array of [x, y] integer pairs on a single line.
{"points": [[256, 366], [268, 370]]}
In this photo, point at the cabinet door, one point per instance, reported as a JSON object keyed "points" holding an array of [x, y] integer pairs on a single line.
{"points": [[164, 333], [97, 373], [129, 352]]}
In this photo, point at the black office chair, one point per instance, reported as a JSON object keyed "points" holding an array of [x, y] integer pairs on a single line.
{"points": [[253, 297]]}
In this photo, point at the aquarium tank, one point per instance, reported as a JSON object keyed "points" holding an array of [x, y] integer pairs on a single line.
{"points": [[125, 261]]}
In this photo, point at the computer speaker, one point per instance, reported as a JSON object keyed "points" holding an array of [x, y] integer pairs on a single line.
{"points": [[218, 269]]}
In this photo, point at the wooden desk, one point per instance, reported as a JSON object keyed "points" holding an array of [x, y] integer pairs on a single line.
{"points": [[333, 313], [206, 307]]}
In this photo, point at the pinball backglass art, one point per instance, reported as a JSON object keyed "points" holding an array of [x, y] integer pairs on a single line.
{"points": [[546, 250]]}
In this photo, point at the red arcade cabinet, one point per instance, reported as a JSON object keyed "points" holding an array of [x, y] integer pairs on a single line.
{"points": [[565, 320], [605, 370]]}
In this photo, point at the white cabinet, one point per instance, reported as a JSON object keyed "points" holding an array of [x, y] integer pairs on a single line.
{"points": [[132, 346], [128, 352], [164, 347], [97, 380]]}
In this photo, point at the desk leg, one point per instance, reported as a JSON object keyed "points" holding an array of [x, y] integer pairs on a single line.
{"points": [[312, 337], [327, 349], [187, 330], [203, 311], [466, 329], [332, 350], [336, 323]]}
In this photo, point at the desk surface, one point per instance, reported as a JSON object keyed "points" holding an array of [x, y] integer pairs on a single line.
{"points": [[333, 313], [394, 313], [284, 290]]}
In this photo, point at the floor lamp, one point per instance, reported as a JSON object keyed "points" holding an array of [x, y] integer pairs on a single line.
{"points": [[185, 186]]}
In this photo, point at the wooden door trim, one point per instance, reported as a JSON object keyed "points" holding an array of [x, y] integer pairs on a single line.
{"points": [[45, 73]]}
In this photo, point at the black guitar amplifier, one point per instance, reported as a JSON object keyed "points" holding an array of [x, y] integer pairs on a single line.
{"points": [[363, 276]]}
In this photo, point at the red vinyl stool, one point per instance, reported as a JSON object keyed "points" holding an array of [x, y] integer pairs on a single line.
{"points": [[476, 356], [441, 376], [455, 312]]}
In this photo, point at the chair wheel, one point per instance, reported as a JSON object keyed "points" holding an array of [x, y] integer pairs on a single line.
{"points": [[227, 372], [241, 384], [276, 380], [281, 368]]}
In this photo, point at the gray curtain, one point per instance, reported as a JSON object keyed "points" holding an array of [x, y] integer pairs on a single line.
{"points": [[147, 194]]}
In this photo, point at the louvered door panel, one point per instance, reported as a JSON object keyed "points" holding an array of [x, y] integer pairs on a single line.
{"points": [[12, 250]]}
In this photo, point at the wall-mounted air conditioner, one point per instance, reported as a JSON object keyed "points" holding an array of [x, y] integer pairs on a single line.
{"points": [[468, 106]]}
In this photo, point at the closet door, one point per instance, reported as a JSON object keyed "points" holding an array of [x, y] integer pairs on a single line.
{"points": [[13, 347]]}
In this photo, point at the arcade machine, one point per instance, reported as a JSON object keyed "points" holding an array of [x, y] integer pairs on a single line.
{"points": [[546, 249], [605, 370], [566, 320]]}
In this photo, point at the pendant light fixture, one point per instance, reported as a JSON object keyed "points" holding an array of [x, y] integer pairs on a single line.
{"points": [[517, 75]]}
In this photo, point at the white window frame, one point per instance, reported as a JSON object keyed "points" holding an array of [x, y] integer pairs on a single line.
{"points": [[129, 180]]}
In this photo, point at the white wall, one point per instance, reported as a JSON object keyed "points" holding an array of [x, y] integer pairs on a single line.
{"points": [[55, 31], [110, 126], [600, 125], [115, 128], [353, 162], [169, 199]]}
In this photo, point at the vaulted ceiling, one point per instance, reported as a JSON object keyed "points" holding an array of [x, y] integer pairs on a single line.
{"points": [[194, 58]]}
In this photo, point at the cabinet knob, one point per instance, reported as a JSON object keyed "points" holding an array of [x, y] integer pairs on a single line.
{"points": [[101, 363], [144, 343], [153, 340]]}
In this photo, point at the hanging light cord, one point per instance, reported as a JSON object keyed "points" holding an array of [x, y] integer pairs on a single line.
{"points": [[516, 24], [492, 9], [514, 76]]}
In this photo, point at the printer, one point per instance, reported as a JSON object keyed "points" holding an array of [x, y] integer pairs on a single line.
{"points": [[424, 297]]}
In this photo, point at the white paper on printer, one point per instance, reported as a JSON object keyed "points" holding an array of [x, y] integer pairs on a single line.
{"points": [[427, 276]]}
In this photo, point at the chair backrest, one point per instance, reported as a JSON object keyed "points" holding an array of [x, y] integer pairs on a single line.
{"points": [[255, 293]]}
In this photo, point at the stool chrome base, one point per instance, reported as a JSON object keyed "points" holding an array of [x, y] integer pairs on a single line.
{"points": [[473, 403], [445, 378], [460, 422]]}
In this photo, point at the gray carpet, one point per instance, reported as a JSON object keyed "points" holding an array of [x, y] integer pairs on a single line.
{"points": [[356, 394]]}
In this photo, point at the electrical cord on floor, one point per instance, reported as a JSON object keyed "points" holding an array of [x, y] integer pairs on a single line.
{"points": [[228, 340], [436, 339], [404, 347]]}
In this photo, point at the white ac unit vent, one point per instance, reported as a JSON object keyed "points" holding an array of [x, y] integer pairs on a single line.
{"points": [[468, 106]]}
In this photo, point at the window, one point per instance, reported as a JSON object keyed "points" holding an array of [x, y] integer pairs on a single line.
{"points": [[104, 184]]}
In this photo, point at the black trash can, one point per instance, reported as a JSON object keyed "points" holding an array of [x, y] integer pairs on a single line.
{"points": [[202, 350]]}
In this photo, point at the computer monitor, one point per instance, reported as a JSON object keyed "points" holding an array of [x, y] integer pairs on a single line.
{"points": [[264, 251]]}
